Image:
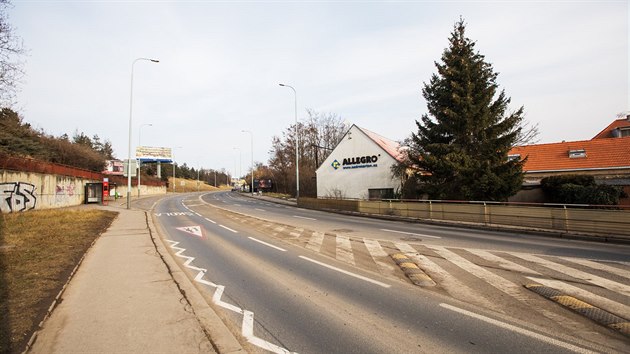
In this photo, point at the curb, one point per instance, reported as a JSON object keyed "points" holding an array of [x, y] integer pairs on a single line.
{"points": [[587, 310], [222, 340], [412, 271]]}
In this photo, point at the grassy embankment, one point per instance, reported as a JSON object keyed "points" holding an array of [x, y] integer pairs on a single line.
{"points": [[190, 185], [38, 250]]}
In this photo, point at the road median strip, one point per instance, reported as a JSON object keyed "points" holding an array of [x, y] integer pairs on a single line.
{"points": [[412, 271], [587, 310]]}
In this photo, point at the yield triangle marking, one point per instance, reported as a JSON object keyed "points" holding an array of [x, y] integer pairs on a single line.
{"points": [[193, 230]]}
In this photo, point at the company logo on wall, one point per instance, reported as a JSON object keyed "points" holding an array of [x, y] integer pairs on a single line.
{"points": [[356, 162]]}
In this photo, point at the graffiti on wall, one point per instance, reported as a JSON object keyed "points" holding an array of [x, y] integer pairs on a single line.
{"points": [[64, 192], [17, 196]]}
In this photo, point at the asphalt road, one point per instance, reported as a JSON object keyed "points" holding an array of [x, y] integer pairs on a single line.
{"points": [[294, 280]]}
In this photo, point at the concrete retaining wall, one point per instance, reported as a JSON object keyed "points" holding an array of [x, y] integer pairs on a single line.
{"points": [[22, 191]]}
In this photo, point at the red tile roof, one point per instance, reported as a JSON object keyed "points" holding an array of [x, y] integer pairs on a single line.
{"points": [[390, 146], [601, 153], [607, 132]]}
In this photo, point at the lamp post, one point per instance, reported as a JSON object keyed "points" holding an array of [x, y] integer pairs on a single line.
{"points": [[140, 144], [297, 140], [252, 146], [130, 120]]}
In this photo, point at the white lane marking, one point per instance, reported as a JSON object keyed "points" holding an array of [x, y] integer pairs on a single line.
{"points": [[303, 217], [227, 228], [611, 306], [247, 327], [503, 263], [214, 222], [315, 242], [267, 244], [153, 205], [238, 205], [599, 266], [578, 274], [259, 209], [199, 215], [248, 332], [344, 250], [410, 233], [519, 330], [369, 280]]}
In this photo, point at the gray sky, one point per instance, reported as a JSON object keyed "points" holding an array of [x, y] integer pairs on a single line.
{"points": [[220, 64]]}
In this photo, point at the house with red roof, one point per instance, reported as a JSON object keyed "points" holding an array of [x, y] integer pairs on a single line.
{"points": [[606, 157]]}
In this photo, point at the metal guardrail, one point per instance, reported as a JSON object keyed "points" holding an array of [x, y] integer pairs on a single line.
{"points": [[601, 221]]}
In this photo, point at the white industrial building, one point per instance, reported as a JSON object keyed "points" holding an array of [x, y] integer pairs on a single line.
{"points": [[359, 167]]}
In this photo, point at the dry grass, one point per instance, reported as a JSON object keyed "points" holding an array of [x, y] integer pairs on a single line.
{"points": [[38, 251], [190, 185]]}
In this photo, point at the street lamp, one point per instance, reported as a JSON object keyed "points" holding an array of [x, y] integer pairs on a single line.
{"points": [[297, 140], [252, 145], [130, 120], [140, 144]]}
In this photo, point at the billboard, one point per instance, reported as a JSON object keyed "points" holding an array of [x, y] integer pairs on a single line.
{"points": [[154, 154]]}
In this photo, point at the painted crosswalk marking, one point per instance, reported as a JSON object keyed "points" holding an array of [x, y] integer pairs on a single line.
{"points": [[611, 306], [578, 274], [595, 265], [502, 262], [344, 249], [498, 282], [315, 242]]}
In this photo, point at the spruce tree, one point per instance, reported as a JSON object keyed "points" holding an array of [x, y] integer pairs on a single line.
{"points": [[462, 144]]}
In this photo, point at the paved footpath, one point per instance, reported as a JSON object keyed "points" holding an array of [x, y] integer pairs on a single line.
{"points": [[123, 299]]}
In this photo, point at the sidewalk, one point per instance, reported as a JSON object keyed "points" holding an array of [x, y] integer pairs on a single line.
{"points": [[124, 299]]}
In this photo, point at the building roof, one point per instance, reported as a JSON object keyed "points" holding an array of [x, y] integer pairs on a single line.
{"points": [[390, 146], [609, 130], [596, 154]]}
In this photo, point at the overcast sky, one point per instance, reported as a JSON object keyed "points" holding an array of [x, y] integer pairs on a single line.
{"points": [[220, 64]]}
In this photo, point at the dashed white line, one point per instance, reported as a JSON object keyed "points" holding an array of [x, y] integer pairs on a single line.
{"points": [[519, 330], [214, 222], [369, 280], [267, 244], [409, 233], [227, 228], [259, 209], [303, 217]]}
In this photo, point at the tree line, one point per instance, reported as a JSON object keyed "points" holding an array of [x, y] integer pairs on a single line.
{"points": [[21, 139]]}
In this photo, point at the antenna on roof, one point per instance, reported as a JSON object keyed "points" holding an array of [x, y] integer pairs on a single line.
{"points": [[346, 125], [624, 115]]}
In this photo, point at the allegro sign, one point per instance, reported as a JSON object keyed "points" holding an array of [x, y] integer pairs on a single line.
{"points": [[356, 162]]}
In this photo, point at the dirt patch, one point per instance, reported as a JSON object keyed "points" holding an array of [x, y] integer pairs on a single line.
{"points": [[38, 251]]}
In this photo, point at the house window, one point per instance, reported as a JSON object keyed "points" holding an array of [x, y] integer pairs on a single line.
{"points": [[623, 132], [382, 193], [576, 154], [514, 157]]}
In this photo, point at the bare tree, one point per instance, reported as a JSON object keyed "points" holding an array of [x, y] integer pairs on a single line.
{"points": [[319, 134], [11, 52]]}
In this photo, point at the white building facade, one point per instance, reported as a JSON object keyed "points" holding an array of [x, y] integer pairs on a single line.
{"points": [[359, 167]]}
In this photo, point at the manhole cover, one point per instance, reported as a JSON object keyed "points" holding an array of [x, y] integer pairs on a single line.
{"points": [[342, 230], [411, 238]]}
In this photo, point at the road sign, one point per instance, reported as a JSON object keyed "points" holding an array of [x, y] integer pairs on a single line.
{"points": [[134, 167]]}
